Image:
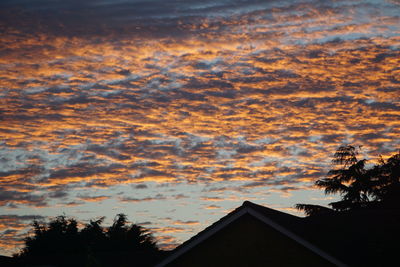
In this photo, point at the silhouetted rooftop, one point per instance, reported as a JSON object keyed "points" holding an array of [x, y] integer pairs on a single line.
{"points": [[357, 238]]}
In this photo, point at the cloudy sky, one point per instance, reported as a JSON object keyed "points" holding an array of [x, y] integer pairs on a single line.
{"points": [[175, 112]]}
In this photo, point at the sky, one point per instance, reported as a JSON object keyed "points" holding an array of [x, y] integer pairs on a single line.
{"points": [[174, 112]]}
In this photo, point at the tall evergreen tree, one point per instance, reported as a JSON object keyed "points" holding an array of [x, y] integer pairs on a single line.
{"points": [[359, 187]]}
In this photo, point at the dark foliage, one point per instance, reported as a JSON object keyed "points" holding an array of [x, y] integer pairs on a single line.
{"points": [[359, 187], [362, 237], [61, 243], [312, 210], [387, 175], [6, 261]]}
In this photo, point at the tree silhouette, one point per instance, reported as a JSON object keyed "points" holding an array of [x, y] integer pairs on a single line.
{"points": [[359, 187], [312, 210], [61, 243], [92, 235], [387, 181], [130, 241], [350, 180], [52, 242]]}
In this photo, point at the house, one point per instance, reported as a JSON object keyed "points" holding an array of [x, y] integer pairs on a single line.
{"points": [[252, 235]]}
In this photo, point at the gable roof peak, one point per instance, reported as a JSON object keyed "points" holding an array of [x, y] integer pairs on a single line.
{"points": [[247, 203]]}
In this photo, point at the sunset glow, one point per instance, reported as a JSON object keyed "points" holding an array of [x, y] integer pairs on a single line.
{"points": [[175, 112]]}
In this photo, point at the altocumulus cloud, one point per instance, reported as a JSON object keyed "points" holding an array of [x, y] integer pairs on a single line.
{"points": [[162, 101]]}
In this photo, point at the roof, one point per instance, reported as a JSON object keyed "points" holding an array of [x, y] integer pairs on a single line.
{"points": [[280, 221], [365, 237]]}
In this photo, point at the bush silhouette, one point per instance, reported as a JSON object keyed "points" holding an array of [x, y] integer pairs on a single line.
{"points": [[61, 243]]}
